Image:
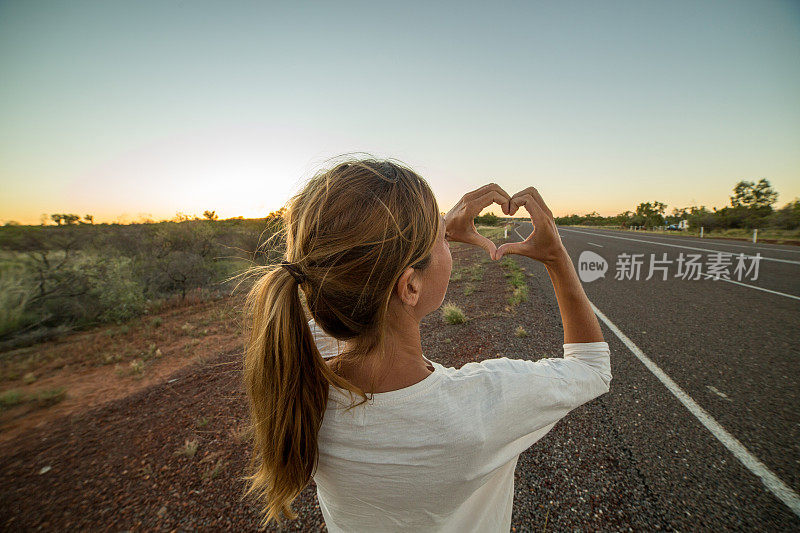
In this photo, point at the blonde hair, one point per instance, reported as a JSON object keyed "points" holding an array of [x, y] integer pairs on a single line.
{"points": [[350, 233]]}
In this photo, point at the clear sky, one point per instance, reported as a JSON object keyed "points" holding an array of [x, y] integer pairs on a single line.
{"points": [[137, 109]]}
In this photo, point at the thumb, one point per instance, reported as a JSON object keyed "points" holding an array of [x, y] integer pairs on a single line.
{"points": [[509, 248], [484, 242]]}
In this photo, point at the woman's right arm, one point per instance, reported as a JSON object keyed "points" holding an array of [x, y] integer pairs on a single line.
{"points": [[580, 323], [545, 246]]}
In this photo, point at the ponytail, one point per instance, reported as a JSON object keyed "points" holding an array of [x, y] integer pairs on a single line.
{"points": [[287, 381], [349, 233]]}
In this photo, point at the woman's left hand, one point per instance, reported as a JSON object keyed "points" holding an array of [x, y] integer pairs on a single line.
{"points": [[460, 220]]}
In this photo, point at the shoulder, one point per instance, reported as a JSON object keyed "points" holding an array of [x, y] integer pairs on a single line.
{"points": [[494, 369]]}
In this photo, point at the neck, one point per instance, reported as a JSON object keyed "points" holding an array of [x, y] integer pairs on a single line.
{"points": [[402, 365]]}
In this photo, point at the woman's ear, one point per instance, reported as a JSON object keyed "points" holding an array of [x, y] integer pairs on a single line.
{"points": [[408, 287]]}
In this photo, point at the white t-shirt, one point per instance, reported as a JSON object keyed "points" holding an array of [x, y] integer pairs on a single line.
{"points": [[440, 455]]}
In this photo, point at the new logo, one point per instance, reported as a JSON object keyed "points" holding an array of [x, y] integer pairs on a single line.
{"points": [[591, 266]]}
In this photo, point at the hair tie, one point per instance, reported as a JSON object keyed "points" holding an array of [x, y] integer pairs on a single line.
{"points": [[296, 274]]}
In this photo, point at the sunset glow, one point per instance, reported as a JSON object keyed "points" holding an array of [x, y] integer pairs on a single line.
{"points": [[155, 109]]}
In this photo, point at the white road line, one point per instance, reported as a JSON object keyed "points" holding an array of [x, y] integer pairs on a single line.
{"points": [[593, 244], [756, 287], [712, 242], [722, 279], [680, 246], [775, 485], [718, 392]]}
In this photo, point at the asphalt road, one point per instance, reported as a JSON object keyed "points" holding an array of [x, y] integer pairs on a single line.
{"points": [[730, 350]]}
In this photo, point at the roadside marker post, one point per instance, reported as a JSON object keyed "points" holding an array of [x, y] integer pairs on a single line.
{"points": [[701, 232], [755, 235]]}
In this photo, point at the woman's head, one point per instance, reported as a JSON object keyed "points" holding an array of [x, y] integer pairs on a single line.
{"points": [[368, 240], [354, 230]]}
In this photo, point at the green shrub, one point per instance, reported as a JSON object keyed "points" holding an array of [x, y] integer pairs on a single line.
{"points": [[15, 295], [48, 397], [61, 278], [137, 367], [516, 280], [453, 314], [119, 295], [519, 295], [10, 398]]}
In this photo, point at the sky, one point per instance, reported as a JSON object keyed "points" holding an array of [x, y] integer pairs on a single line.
{"points": [[139, 110]]}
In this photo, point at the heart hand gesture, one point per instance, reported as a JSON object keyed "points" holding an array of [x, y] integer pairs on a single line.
{"points": [[460, 220]]}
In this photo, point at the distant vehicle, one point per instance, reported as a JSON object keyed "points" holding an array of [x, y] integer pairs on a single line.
{"points": [[682, 225]]}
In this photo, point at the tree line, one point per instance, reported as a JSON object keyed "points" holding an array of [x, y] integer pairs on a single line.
{"points": [[751, 206]]}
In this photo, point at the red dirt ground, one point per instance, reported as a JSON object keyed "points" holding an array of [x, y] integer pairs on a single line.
{"points": [[109, 456]]}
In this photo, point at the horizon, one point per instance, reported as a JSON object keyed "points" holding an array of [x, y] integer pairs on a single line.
{"points": [[154, 109]]}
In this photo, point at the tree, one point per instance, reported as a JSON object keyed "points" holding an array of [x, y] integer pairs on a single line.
{"points": [[278, 214], [489, 219], [788, 216], [88, 219], [751, 195], [65, 219], [210, 215], [649, 214]]}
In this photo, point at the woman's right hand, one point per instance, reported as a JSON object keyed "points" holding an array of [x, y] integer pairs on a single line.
{"points": [[544, 243]]}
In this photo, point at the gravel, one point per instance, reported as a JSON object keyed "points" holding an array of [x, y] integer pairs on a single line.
{"points": [[119, 467]]}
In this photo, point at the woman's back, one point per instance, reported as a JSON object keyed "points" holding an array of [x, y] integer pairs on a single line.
{"points": [[368, 248], [440, 455]]}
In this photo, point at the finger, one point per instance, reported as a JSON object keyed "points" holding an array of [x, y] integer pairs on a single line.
{"points": [[485, 243], [540, 201], [538, 197], [482, 191], [531, 206], [486, 200], [509, 248]]}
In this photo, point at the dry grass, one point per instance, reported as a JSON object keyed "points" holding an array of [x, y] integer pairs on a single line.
{"points": [[40, 399], [453, 314], [476, 272], [516, 281], [491, 232], [188, 449]]}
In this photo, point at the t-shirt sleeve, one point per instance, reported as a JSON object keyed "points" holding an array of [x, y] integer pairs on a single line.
{"points": [[327, 345], [522, 400]]}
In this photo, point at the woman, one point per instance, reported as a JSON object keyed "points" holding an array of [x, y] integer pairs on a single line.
{"points": [[427, 448]]}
